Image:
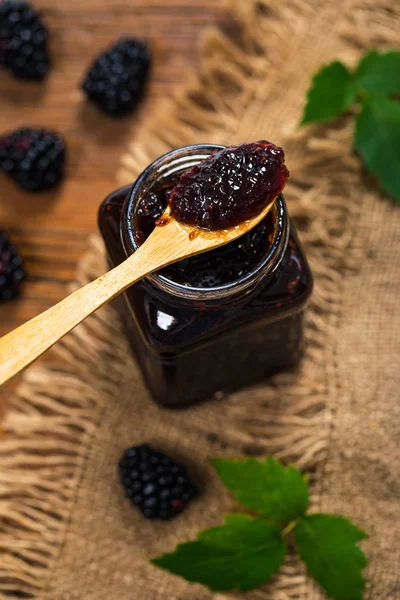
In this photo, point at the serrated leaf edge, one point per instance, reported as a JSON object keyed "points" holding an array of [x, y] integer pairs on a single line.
{"points": [[155, 560], [268, 459], [363, 535], [349, 102], [368, 102]]}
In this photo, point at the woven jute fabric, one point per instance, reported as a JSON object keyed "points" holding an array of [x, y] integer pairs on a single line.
{"points": [[66, 530]]}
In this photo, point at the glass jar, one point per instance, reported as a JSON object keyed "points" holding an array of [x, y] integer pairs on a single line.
{"points": [[192, 342]]}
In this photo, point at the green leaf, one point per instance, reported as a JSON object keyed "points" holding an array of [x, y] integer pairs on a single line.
{"points": [[327, 544], [242, 554], [377, 139], [268, 488], [332, 91], [379, 73]]}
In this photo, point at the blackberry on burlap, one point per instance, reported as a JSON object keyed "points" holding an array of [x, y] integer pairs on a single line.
{"points": [[158, 486]]}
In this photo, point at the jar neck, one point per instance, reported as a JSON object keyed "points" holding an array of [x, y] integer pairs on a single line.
{"points": [[173, 164]]}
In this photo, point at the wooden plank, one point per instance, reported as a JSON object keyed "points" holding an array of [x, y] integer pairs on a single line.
{"points": [[51, 229]]}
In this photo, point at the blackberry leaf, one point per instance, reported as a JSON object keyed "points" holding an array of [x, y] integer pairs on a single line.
{"points": [[328, 546], [379, 73], [377, 139], [242, 554], [332, 92], [268, 488]]}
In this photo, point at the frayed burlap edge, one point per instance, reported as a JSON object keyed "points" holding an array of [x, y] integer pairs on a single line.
{"points": [[55, 411]]}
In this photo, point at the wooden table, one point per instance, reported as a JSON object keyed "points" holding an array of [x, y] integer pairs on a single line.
{"points": [[51, 229]]}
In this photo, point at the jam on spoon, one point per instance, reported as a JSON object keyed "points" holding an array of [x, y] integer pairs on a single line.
{"points": [[249, 176], [230, 186]]}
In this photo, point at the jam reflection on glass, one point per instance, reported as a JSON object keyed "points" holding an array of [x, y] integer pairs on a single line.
{"points": [[190, 347]]}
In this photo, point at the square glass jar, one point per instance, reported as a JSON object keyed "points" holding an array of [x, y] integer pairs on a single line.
{"points": [[194, 342]]}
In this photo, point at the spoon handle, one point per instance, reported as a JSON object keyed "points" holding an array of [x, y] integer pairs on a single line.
{"points": [[165, 245], [21, 347]]}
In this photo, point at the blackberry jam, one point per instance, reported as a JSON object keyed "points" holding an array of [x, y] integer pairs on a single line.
{"points": [[216, 322], [230, 186]]}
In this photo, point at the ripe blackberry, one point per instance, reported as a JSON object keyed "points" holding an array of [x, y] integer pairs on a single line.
{"points": [[155, 484], [11, 269], [33, 157], [116, 79], [23, 40]]}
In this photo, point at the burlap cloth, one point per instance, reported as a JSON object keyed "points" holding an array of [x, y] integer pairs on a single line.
{"points": [[66, 530]]}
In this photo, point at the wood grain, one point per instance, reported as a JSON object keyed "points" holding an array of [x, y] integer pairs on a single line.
{"points": [[51, 229]]}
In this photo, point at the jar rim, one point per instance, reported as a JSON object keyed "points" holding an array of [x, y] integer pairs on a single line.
{"points": [[179, 160]]}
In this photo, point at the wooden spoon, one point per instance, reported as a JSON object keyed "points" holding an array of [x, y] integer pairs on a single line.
{"points": [[170, 242]]}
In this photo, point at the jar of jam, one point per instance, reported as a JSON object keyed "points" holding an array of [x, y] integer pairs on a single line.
{"points": [[216, 322]]}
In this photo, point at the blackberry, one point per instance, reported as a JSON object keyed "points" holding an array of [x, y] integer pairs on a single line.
{"points": [[33, 157], [155, 484], [115, 82], [23, 40], [11, 269]]}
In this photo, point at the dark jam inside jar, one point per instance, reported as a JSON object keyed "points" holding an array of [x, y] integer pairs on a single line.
{"points": [[212, 269]]}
